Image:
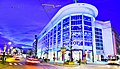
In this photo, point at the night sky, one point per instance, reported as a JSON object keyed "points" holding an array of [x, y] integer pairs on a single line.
{"points": [[20, 20]]}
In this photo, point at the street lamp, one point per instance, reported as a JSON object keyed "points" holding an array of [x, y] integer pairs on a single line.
{"points": [[9, 43], [10, 48], [3, 56], [71, 59], [35, 45]]}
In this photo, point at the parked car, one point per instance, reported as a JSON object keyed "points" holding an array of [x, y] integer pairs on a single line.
{"points": [[114, 60]]}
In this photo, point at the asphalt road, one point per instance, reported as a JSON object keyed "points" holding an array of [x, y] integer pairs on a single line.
{"points": [[13, 64], [19, 65]]}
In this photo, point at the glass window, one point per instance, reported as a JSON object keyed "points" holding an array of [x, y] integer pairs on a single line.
{"points": [[76, 17], [101, 48], [87, 18], [96, 36], [98, 48], [65, 38], [66, 24], [79, 16], [54, 29], [98, 29], [88, 43], [59, 33], [64, 27], [66, 34], [87, 33], [99, 44], [97, 40], [97, 33], [59, 25], [59, 28], [87, 28], [58, 39], [66, 30], [100, 33], [66, 20], [100, 37], [76, 28], [100, 40], [87, 23], [76, 22]]}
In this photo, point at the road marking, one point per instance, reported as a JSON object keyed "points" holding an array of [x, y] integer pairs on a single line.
{"points": [[20, 64], [15, 63], [10, 63]]}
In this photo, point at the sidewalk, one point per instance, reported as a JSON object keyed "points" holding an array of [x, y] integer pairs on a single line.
{"points": [[77, 64], [62, 64], [99, 62]]}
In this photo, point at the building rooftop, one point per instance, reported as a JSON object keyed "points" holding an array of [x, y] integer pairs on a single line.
{"points": [[82, 8]]}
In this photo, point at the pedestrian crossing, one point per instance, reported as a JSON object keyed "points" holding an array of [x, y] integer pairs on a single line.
{"points": [[15, 64]]}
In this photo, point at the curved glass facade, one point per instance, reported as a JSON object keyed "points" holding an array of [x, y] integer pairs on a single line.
{"points": [[75, 32]]}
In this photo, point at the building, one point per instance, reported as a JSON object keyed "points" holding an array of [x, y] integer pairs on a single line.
{"points": [[75, 29], [116, 42]]}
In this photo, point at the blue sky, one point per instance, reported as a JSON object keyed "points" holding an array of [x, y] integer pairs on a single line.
{"points": [[20, 20]]}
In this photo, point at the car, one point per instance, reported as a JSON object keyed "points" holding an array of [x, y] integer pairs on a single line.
{"points": [[32, 61], [114, 60]]}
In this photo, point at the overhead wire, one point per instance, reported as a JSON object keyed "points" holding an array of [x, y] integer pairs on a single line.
{"points": [[44, 10]]}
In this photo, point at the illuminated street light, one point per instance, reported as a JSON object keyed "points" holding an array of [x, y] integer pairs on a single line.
{"points": [[9, 43], [11, 47]]}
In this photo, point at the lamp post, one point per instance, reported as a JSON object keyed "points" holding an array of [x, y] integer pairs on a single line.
{"points": [[9, 49], [36, 40], [71, 59], [79, 59], [3, 56]]}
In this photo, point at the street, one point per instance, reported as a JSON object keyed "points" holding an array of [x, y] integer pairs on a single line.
{"points": [[21, 65]]}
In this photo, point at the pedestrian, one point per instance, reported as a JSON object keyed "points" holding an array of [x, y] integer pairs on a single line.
{"points": [[41, 60]]}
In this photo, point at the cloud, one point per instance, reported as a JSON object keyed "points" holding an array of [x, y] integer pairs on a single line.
{"points": [[26, 40], [20, 45]]}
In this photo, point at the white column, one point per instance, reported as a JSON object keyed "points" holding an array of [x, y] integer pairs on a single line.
{"points": [[93, 36], [83, 34]]}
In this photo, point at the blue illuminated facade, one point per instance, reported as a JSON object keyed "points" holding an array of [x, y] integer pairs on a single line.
{"points": [[74, 25]]}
